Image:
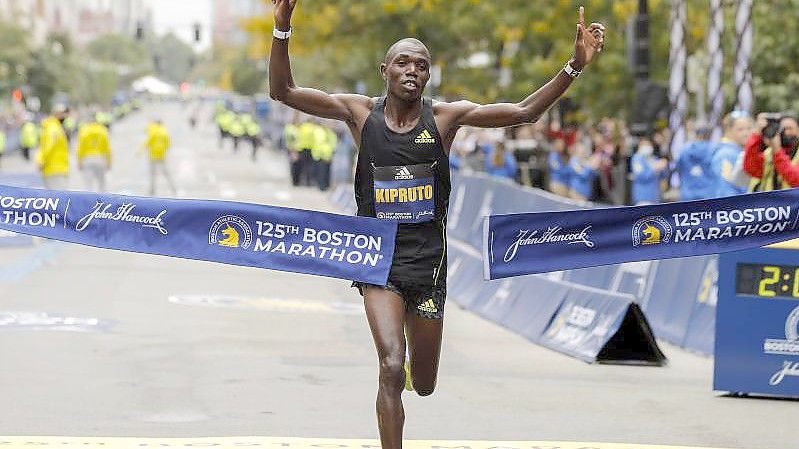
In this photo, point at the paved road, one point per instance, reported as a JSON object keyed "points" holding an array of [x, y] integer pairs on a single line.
{"points": [[293, 357]]}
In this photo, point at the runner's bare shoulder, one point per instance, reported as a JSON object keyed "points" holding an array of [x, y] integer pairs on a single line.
{"points": [[359, 105]]}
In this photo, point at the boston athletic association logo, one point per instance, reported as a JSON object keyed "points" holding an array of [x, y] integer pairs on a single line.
{"points": [[787, 347], [651, 231], [230, 231]]}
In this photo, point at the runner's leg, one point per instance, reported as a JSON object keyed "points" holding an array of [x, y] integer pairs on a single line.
{"points": [[385, 311], [424, 345]]}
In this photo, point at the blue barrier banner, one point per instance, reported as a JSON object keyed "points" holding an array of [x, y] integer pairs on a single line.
{"points": [[674, 286], [585, 322], [520, 244], [353, 248], [13, 239]]}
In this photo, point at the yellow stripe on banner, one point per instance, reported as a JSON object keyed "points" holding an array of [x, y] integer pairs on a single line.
{"points": [[297, 443], [788, 244]]}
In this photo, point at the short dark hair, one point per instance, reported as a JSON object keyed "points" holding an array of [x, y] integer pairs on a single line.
{"points": [[392, 51]]}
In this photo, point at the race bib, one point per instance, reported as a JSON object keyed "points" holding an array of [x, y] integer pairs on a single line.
{"points": [[405, 193]]}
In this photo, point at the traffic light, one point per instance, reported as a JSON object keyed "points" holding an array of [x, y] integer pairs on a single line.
{"points": [[637, 43], [196, 32], [139, 31], [651, 105], [16, 95]]}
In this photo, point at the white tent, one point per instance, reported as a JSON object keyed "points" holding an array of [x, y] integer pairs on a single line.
{"points": [[153, 85]]}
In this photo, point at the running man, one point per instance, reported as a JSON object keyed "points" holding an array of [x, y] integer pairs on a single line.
{"points": [[402, 174]]}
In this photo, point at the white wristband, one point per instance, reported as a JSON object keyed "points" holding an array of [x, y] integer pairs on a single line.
{"points": [[281, 34], [571, 71]]}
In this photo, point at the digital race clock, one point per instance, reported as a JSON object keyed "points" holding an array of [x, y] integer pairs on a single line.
{"points": [[769, 281]]}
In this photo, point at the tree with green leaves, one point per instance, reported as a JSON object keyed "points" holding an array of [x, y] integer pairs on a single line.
{"points": [[173, 58], [338, 45], [247, 78], [15, 57], [113, 61]]}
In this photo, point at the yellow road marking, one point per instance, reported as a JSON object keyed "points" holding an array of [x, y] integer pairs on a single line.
{"points": [[297, 443]]}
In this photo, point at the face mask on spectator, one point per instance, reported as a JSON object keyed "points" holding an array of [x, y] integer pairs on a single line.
{"points": [[646, 150], [789, 141]]}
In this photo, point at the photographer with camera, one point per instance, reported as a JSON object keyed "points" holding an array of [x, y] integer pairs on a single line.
{"points": [[771, 157]]}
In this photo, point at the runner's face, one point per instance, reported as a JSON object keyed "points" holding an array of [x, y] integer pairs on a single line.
{"points": [[407, 73]]}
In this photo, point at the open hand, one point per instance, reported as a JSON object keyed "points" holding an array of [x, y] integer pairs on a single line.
{"points": [[283, 11], [589, 41]]}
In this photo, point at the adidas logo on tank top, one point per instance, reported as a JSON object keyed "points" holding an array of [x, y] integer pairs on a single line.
{"points": [[425, 137], [403, 173]]}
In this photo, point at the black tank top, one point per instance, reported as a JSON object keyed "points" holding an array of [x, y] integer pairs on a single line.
{"points": [[420, 252]]}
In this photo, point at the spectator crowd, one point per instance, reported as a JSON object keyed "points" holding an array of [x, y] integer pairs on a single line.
{"points": [[605, 163]]}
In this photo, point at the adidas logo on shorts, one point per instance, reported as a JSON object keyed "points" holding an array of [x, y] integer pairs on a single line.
{"points": [[428, 306], [425, 137]]}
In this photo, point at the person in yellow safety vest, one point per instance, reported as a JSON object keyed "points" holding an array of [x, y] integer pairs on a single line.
{"points": [[236, 130], [306, 141], [70, 125], [28, 139], [290, 133], [53, 155], [290, 139], [157, 144], [105, 119], [224, 120], [323, 155], [94, 154], [253, 131]]}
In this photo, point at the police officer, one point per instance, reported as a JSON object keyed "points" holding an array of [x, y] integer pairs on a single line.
{"points": [[322, 152], [291, 134], [253, 131], [236, 131], [306, 141], [28, 138]]}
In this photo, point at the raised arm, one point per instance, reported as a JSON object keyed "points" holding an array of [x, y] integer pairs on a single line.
{"points": [[588, 43], [281, 83]]}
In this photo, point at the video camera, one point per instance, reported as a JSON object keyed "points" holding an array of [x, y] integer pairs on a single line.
{"points": [[773, 125]]}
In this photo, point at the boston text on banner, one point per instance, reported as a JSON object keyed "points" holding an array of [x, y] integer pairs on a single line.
{"points": [[520, 244], [278, 238]]}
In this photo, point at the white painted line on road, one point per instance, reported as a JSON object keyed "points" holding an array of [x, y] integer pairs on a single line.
{"points": [[282, 195], [299, 443], [42, 321], [228, 192], [269, 304]]}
